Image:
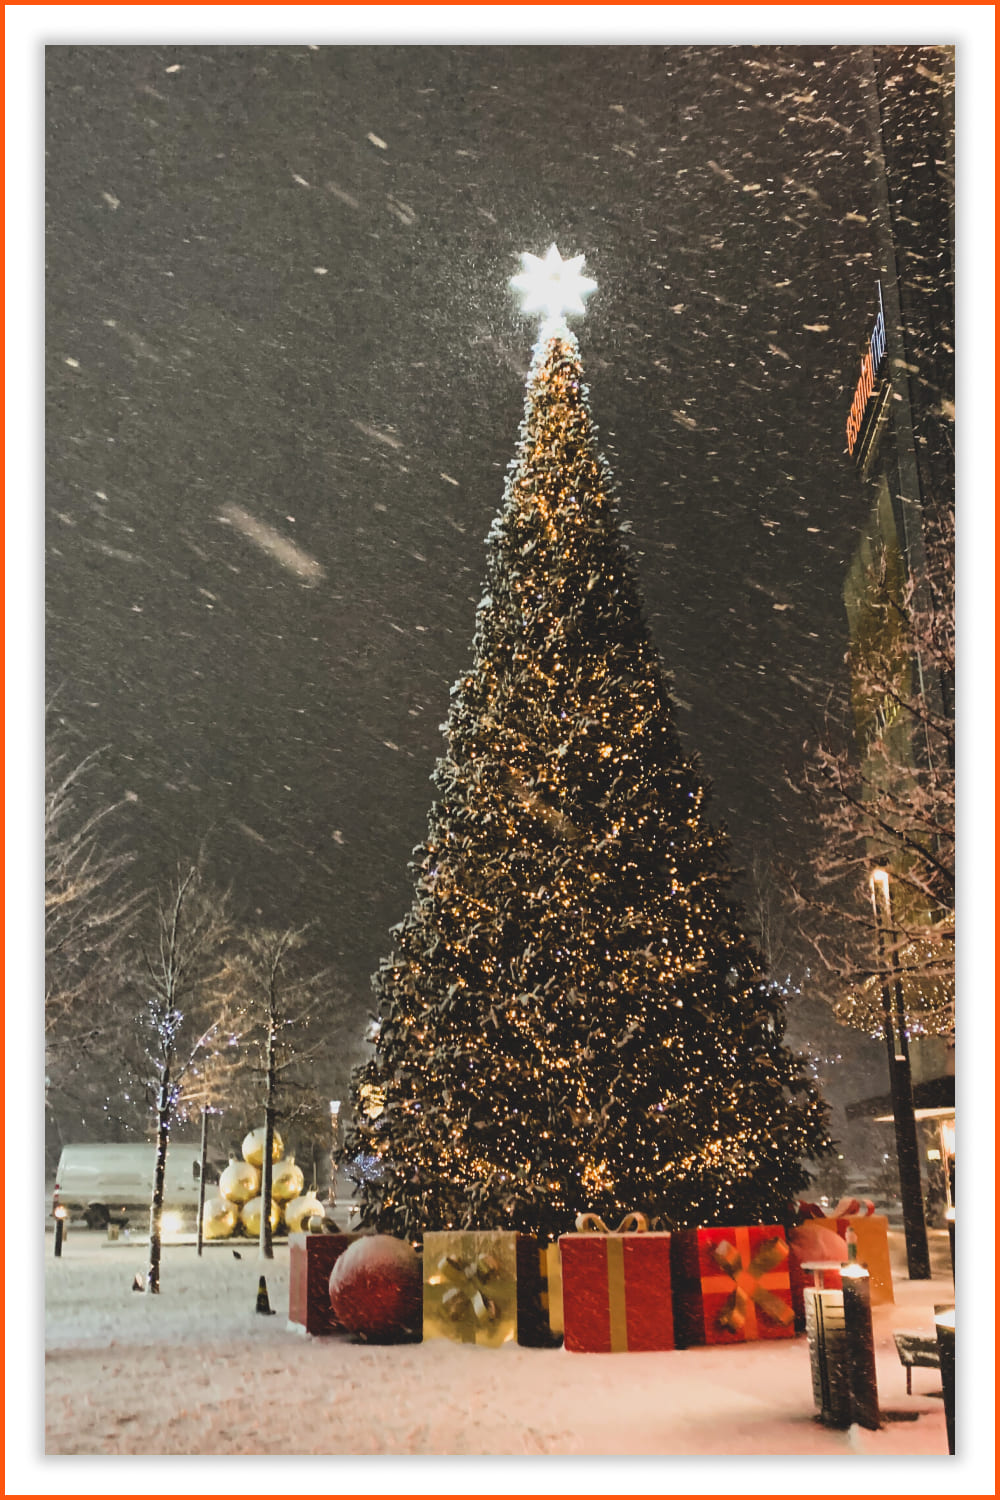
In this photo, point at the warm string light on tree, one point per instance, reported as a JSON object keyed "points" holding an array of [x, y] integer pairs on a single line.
{"points": [[925, 968], [572, 1017]]}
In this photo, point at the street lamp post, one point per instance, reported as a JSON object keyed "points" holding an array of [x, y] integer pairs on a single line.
{"points": [[894, 1025], [201, 1175], [60, 1215], [944, 1325], [335, 1138]]}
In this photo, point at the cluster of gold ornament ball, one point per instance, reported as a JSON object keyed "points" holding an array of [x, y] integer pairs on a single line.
{"points": [[239, 1207]]}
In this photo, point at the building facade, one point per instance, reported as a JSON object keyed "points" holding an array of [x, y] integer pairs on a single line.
{"points": [[899, 437]]}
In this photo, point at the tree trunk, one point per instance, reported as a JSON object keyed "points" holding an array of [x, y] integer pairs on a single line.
{"points": [[159, 1177], [918, 1257]]}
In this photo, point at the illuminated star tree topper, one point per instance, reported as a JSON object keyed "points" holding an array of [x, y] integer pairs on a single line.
{"points": [[553, 287]]}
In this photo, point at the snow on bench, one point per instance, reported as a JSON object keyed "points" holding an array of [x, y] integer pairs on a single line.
{"points": [[916, 1349]]}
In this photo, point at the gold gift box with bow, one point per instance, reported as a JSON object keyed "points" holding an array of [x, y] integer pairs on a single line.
{"points": [[486, 1286]]}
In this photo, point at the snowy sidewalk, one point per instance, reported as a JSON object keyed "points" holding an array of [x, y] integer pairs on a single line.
{"points": [[197, 1371]]}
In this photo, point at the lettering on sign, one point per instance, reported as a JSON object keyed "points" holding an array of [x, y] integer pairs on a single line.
{"points": [[870, 365]]}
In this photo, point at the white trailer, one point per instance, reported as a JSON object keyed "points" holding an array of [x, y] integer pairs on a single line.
{"points": [[114, 1183]]}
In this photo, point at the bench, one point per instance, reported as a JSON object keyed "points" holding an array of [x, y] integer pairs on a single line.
{"points": [[916, 1349]]}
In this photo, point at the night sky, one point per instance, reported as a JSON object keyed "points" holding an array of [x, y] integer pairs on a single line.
{"points": [[284, 379]]}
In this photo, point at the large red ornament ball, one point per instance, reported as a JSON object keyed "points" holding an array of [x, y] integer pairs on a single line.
{"points": [[376, 1290]]}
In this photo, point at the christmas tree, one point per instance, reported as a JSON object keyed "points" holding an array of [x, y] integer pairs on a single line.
{"points": [[572, 1018]]}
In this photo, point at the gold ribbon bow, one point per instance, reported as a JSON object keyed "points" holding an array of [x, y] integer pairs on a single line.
{"points": [[467, 1287], [633, 1223], [748, 1279]]}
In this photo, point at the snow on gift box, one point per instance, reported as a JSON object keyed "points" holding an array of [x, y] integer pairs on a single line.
{"points": [[489, 1286], [375, 1290], [616, 1287], [731, 1285]]}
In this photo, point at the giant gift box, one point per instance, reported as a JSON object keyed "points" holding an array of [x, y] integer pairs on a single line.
{"points": [[732, 1286], [872, 1232], [489, 1286], [616, 1287], [311, 1258]]}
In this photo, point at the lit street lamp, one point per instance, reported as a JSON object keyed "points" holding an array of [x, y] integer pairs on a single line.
{"points": [[918, 1259]]}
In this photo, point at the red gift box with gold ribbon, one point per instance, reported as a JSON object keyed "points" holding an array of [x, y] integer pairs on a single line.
{"points": [[311, 1258], [616, 1287], [732, 1286]]}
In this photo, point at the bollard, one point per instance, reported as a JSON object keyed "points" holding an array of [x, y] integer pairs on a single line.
{"points": [[60, 1217], [860, 1342], [950, 1221]]}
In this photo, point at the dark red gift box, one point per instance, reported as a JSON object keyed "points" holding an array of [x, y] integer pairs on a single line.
{"points": [[311, 1258], [616, 1292], [732, 1286]]}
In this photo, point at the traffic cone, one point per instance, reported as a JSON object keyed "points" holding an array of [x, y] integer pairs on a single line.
{"points": [[263, 1305]]}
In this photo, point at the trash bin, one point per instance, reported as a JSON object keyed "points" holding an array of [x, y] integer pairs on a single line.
{"points": [[828, 1355]]}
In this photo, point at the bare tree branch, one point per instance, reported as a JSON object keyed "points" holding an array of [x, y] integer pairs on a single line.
{"points": [[88, 908], [283, 997], [891, 804], [190, 999]]}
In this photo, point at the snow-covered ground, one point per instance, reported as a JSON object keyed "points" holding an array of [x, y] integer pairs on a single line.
{"points": [[197, 1371]]}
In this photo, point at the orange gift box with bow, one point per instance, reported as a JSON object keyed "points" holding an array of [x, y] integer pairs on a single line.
{"points": [[872, 1233], [732, 1286]]}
